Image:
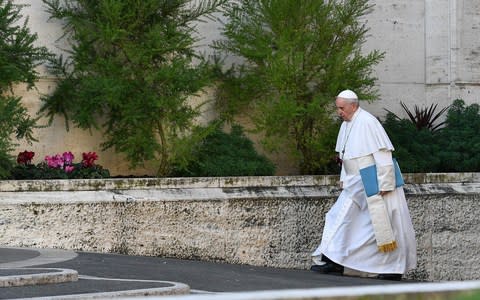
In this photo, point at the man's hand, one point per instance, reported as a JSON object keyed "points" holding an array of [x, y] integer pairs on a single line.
{"points": [[383, 193]]}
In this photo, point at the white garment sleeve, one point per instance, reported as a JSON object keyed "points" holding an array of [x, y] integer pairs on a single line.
{"points": [[385, 171], [342, 174]]}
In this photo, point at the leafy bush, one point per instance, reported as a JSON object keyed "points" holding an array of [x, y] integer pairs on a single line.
{"points": [[459, 141], [423, 117], [58, 167], [296, 56], [130, 73], [414, 149], [453, 148], [19, 58], [226, 154]]}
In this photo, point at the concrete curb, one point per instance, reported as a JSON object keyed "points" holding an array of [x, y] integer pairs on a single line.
{"points": [[414, 291], [175, 289], [44, 276]]}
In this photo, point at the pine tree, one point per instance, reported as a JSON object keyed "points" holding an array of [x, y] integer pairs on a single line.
{"points": [[19, 58], [130, 72], [297, 55]]}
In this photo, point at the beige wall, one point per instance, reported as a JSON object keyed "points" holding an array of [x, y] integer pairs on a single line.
{"points": [[432, 56]]}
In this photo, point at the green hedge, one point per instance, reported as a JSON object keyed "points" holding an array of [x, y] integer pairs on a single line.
{"points": [[225, 154], [453, 148]]}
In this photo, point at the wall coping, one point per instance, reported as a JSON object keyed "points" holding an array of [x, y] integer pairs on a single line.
{"points": [[411, 179]]}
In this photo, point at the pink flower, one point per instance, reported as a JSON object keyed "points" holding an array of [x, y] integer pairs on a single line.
{"points": [[69, 169], [68, 157], [55, 161], [89, 159]]}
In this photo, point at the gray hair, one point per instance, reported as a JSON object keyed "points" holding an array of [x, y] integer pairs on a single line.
{"points": [[351, 100]]}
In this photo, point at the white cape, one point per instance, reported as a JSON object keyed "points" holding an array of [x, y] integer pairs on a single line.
{"points": [[362, 136]]}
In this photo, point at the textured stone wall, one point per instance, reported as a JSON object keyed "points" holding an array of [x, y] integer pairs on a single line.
{"points": [[447, 227], [266, 221]]}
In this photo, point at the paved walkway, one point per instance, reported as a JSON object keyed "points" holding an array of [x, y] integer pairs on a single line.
{"points": [[36, 273]]}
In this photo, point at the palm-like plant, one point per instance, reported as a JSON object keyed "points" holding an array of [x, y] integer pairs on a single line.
{"points": [[423, 118]]}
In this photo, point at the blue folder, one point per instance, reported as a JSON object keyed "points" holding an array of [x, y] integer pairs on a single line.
{"points": [[370, 181]]}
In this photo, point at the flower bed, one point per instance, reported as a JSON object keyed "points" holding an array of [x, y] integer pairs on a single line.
{"points": [[58, 166]]}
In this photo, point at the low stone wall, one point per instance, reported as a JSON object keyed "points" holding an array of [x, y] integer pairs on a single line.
{"points": [[265, 221]]}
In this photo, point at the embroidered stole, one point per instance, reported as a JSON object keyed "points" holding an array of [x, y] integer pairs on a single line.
{"points": [[376, 205]]}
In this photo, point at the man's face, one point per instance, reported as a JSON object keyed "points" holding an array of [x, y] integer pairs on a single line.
{"points": [[345, 108]]}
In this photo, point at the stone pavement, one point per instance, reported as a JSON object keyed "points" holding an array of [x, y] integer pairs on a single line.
{"points": [[50, 274]]}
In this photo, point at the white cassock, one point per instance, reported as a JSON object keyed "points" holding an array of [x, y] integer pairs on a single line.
{"points": [[349, 238]]}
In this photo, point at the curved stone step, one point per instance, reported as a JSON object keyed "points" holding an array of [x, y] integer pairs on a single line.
{"points": [[10, 277]]}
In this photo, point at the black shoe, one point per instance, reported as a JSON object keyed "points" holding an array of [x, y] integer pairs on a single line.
{"points": [[328, 268], [395, 277]]}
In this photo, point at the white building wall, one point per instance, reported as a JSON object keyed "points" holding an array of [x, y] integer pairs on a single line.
{"points": [[397, 28], [432, 56], [432, 52]]}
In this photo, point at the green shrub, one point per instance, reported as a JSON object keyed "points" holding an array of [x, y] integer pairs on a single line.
{"points": [[225, 154], [413, 148], [296, 56], [131, 71], [453, 148], [19, 59], [423, 118], [459, 141]]}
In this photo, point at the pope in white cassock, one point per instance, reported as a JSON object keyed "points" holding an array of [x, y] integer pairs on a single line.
{"points": [[368, 231]]}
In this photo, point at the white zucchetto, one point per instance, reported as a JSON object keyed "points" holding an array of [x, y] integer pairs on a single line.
{"points": [[347, 94]]}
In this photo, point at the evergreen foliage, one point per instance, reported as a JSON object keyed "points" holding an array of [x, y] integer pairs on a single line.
{"points": [[459, 141], [414, 149], [226, 154], [423, 118], [297, 55], [130, 73], [19, 58], [453, 148]]}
